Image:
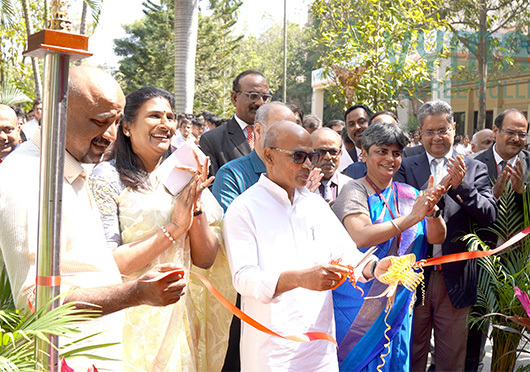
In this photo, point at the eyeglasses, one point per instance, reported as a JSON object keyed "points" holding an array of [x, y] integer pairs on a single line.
{"points": [[432, 133], [255, 96], [511, 133], [332, 152], [299, 157]]}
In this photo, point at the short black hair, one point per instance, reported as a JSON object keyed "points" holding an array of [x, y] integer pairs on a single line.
{"points": [[500, 118], [380, 133], [236, 86], [354, 107]]}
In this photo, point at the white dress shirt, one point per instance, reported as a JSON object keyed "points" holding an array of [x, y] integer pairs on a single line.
{"points": [[265, 234], [85, 259]]}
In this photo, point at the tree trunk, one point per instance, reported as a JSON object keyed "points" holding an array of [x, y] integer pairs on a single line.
{"points": [[34, 61], [82, 27], [186, 24], [482, 63]]}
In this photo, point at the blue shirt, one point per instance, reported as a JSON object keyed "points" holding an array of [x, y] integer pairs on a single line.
{"points": [[233, 178]]}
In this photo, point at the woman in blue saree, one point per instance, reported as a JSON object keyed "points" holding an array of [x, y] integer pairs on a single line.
{"points": [[399, 220]]}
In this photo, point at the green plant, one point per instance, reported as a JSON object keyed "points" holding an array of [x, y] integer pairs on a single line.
{"points": [[19, 329], [498, 275]]}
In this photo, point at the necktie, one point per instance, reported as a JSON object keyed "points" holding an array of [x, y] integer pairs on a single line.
{"points": [[502, 165], [250, 136], [438, 166]]}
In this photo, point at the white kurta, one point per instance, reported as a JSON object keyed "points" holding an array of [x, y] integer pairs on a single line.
{"points": [[266, 235], [85, 259]]}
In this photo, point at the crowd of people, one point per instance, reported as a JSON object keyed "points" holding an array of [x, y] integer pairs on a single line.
{"points": [[279, 200]]}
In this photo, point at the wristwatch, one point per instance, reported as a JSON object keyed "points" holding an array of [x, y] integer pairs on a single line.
{"points": [[437, 212]]}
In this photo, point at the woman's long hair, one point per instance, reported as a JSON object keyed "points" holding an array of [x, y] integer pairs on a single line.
{"points": [[130, 167]]}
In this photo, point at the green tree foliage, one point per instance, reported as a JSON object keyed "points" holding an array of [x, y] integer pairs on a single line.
{"points": [[147, 50], [473, 24], [148, 53], [265, 54], [368, 44]]}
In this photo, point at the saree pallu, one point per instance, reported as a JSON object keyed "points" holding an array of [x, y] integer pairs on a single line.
{"points": [[360, 323]]}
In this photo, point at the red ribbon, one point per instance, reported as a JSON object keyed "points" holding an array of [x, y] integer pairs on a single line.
{"points": [[305, 337], [474, 254]]}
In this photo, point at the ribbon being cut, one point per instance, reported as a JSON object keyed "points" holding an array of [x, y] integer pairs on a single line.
{"points": [[405, 270]]}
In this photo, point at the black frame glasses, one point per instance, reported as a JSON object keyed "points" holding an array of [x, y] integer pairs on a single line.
{"points": [[255, 96], [512, 133], [299, 157], [433, 133], [333, 152]]}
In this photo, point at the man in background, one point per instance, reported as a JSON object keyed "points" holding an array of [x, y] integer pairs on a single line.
{"points": [[236, 139], [9, 131]]}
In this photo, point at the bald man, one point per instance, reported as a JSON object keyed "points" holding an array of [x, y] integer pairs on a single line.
{"points": [[9, 131], [238, 175], [280, 239], [482, 140], [95, 106]]}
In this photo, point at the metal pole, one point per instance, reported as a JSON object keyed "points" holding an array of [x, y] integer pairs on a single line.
{"points": [[56, 66], [284, 50], [50, 198]]}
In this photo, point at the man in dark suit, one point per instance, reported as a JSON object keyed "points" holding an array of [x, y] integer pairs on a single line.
{"points": [[506, 159], [451, 288], [413, 150], [228, 142], [356, 118]]}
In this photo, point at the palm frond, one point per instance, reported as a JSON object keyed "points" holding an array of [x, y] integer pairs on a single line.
{"points": [[10, 95], [95, 8], [7, 12]]}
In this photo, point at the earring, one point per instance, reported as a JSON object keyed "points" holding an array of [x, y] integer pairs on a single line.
{"points": [[127, 133]]}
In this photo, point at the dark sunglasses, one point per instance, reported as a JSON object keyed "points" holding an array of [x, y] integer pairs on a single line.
{"points": [[299, 157], [255, 96], [332, 152]]}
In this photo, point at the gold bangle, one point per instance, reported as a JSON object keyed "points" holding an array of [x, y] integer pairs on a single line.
{"points": [[396, 226], [168, 235]]}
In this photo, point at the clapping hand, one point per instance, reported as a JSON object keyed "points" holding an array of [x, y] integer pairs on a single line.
{"points": [[313, 181]]}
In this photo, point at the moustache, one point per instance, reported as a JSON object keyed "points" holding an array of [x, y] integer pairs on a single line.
{"points": [[100, 141], [254, 107]]}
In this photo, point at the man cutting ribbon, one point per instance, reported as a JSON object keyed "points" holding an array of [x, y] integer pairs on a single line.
{"points": [[280, 238]]}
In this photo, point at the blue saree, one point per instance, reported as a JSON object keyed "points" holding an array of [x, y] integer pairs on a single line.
{"points": [[360, 324]]}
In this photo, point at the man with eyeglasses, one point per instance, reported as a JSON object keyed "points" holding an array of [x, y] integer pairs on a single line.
{"points": [[451, 288], [228, 142], [328, 144], [506, 159], [280, 239], [507, 162]]}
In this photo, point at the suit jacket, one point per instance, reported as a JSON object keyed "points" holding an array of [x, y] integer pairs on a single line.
{"points": [[224, 143], [353, 154], [412, 151], [356, 170], [488, 158], [471, 202]]}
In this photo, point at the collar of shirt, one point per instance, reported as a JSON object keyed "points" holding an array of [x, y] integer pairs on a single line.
{"points": [[280, 194], [257, 164], [72, 168], [447, 156], [498, 158], [242, 124], [359, 152]]}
